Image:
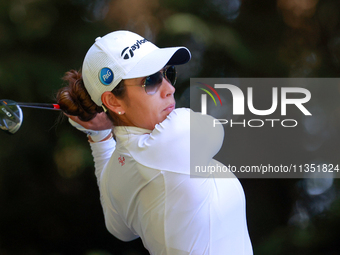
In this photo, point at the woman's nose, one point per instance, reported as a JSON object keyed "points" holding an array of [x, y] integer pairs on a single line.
{"points": [[167, 89]]}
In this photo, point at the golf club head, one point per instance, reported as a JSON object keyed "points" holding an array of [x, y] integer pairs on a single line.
{"points": [[11, 116]]}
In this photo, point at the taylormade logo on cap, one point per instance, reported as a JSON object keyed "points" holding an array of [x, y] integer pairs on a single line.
{"points": [[106, 76], [134, 47]]}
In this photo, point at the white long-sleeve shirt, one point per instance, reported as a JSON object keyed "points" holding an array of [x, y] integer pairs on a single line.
{"points": [[147, 191]]}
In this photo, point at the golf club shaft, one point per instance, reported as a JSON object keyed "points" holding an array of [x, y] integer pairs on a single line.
{"points": [[40, 106]]}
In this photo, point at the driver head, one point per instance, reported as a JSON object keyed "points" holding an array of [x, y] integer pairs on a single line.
{"points": [[11, 116]]}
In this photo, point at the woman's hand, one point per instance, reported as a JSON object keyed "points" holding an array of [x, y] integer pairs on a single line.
{"points": [[98, 129], [100, 122]]}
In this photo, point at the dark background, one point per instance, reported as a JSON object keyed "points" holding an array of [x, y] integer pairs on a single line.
{"points": [[48, 193]]}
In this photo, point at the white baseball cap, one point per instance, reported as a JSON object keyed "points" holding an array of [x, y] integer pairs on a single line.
{"points": [[125, 55]]}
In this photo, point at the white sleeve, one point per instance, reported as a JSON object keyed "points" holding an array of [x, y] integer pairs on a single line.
{"points": [[102, 152], [185, 138]]}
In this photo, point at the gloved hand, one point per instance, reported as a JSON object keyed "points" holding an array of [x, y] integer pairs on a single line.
{"points": [[96, 135]]}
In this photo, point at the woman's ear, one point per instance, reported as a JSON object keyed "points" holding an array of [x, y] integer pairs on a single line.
{"points": [[112, 102]]}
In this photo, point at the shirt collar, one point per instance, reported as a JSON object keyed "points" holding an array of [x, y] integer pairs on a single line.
{"points": [[124, 132]]}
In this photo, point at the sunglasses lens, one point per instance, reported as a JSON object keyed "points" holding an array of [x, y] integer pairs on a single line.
{"points": [[171, 74], [152, 83]]}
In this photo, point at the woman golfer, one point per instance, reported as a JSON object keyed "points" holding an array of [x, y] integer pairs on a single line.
{"points": [[143, 171]]}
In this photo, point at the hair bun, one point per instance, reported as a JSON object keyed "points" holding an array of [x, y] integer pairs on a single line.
{"points": [[75, 100]]}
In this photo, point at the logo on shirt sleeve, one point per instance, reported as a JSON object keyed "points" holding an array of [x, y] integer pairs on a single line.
{"points": [[121, 161]]}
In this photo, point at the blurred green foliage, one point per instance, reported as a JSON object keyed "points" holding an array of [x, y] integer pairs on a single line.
{"points": [[48, 193]]}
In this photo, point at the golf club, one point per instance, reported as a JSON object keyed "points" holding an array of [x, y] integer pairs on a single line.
{"points": [[11, 115]]}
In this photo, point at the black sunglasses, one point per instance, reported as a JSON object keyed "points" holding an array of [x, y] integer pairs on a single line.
{"points": [[154, 81]]}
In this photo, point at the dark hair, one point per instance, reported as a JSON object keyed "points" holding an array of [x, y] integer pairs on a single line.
{"points": [[75, 100]]}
